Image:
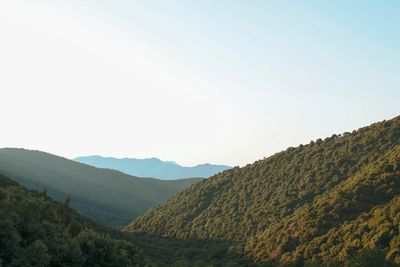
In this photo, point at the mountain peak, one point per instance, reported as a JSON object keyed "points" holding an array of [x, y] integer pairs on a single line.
{"points": [[153, 167]]}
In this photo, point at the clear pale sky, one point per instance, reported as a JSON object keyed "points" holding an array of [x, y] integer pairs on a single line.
{"points": [[224, 82]]}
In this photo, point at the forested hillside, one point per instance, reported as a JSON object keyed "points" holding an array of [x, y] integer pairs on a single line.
{"points": [[327, 200], [37, 231], [5, 181], [107, 196]]}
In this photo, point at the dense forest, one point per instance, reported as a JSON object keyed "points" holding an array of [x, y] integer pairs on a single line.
{"points": [[333, 202], [37, 231], [327, 202]]}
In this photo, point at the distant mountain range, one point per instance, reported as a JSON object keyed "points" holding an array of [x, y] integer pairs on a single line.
{"points": [[153, 167], [107, 196], [332, 202]]}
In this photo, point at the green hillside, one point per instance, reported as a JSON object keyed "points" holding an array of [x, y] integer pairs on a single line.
{"points": [[37, 231], [327, 200], [5, 181], [107, 196]]}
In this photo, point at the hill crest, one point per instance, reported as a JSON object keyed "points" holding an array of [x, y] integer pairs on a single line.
{"points": [[153, 167], [279, 207]]}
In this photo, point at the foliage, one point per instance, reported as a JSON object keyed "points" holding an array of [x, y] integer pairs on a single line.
{"points": [[36, 231], [309, 203], [370, 258], [166, 251]]}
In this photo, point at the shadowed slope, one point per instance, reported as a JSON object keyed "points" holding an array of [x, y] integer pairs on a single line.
{"points": [[107, 196]]}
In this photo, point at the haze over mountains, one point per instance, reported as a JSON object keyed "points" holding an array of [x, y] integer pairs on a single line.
{"points": [[332, 202], [153, 167], [107, 196]]}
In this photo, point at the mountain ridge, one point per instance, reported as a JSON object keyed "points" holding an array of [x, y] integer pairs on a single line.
{"points": [[152, 167], [107, 196], [279, 207]]}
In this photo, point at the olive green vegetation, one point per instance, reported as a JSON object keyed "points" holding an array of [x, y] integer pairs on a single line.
{"points": [[166, 251], [106, 196], [37, 231], [330, 203], [332, 200]]}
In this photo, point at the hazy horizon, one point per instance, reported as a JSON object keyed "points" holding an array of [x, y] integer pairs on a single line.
{"points": [[193, 82]]}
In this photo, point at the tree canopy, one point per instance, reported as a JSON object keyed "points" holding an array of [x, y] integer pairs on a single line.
{"points": [[324, 201], [37, 231]]}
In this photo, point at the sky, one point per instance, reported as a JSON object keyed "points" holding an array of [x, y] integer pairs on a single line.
{"points": [[224, 82]]}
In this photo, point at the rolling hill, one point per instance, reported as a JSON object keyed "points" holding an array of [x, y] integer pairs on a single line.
{"points": [[325, 201], [153, 167], [37, 231], [106, 196]]}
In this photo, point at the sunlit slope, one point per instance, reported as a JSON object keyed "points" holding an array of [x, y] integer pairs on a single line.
{"points": [[280, 206]]}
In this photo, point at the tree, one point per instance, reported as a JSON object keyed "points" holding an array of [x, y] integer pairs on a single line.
{"points": [[35, 255], [370, 258]]}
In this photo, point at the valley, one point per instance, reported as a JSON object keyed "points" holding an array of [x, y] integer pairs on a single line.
{"points": [[332, 202]]}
